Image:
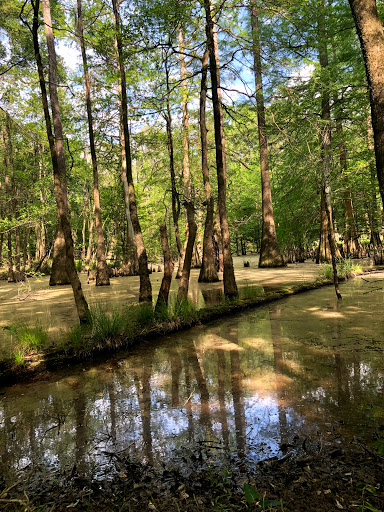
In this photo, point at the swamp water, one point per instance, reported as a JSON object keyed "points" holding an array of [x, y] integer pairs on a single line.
{"points": [[243, 386]]}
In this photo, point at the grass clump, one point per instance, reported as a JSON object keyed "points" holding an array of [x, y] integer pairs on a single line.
{"points": [[345, 269]]}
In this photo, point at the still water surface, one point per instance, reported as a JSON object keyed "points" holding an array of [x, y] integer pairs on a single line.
{"points": [[307, 365]]}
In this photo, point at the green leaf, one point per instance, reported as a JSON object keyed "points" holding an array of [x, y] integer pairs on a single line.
{"points": [[251, 494], [270, 503]]}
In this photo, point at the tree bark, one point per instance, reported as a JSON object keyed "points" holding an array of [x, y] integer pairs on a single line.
{"points": [[192, 229], [326, 231], [162, 299], [208, 272], [270, 255], [370, 31], [102, 278], [145, 283], [230, 287], [175, 200], [57, 150]]}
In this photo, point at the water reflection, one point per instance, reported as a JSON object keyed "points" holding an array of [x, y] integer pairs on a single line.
{"points": [[243, 386]]}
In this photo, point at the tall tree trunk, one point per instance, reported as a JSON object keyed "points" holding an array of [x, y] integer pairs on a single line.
{"points": [[270, 255], [326, 231], [230, 287], [162, 299], [8, 192], [208, 272], [102, 278], [191, 228], [373, 214], [56, 145], [145, 283], [175, 196], [370, 31], [185, 131]]}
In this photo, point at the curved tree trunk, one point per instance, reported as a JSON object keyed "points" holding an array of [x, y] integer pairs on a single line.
{"points": [[102, 278], [270, 255], [230, 287]]}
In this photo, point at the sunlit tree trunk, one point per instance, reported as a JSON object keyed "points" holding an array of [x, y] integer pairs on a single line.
{"points": [[145, 294], [57, 149], [208, 272], [230, 287], [370, 31], [102, 278], [269, 253]]}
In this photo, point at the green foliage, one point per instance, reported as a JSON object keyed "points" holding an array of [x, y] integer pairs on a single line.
{"points": [[253, 496], [368, 492]]}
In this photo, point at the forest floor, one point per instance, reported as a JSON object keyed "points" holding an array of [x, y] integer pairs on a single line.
{"points": [[313, 476]]}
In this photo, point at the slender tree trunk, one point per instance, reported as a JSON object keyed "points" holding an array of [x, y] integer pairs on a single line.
{"points": [[270, 255], [162, 299], [230, 287], [88, 256], [57, 150], [8, 192], [370, 31], [102, 278], [326, 231], [175, 196], [145, 283], [208, 272], [185, 117]]}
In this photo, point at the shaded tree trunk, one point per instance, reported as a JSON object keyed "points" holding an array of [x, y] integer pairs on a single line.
{"points": [[192, 229], [230, 287], [145, 283], [326, 231], [270, 255], [208, 271], [162, 299], [102, 278], [372, 207], [370, 31]]}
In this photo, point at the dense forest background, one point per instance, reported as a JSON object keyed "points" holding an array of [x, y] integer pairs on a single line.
{"points": [[315, 103]]}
